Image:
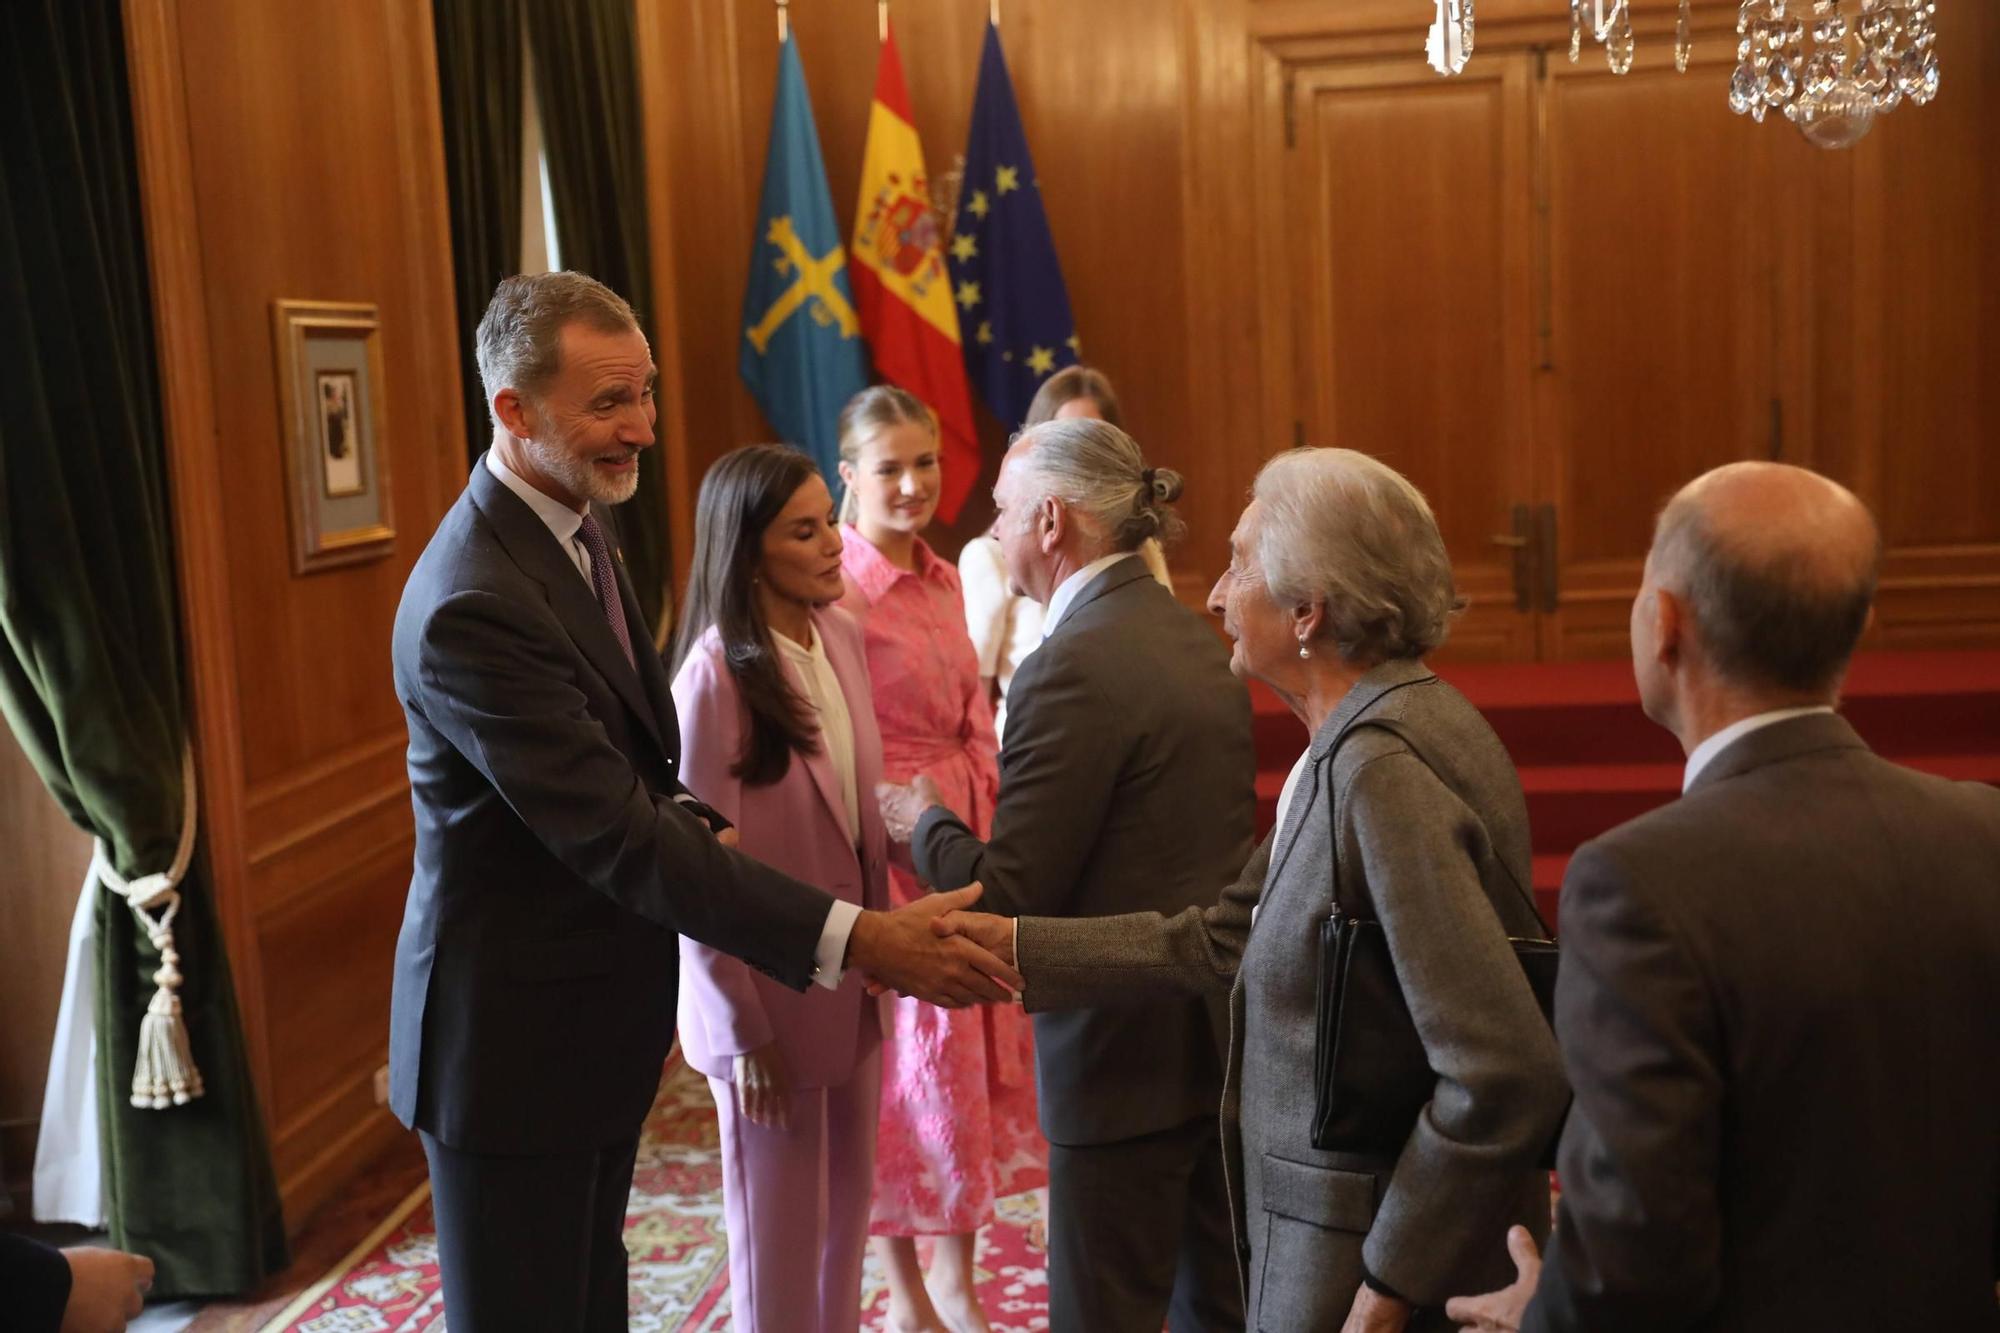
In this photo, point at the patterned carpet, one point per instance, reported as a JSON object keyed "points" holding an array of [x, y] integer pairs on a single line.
{"points": [[673, 1232]]}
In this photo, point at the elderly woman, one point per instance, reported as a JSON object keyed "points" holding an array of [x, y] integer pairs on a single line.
{"points": [[1338, 584]]}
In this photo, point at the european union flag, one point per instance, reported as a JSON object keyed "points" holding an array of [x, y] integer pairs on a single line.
{"points": [[1013, 309], [802, 352]]}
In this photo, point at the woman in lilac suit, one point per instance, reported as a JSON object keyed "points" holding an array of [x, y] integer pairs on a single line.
{"points": [[778, 733]]}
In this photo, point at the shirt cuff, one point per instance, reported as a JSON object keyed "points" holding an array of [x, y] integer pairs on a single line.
{"points": [[832, 950]]}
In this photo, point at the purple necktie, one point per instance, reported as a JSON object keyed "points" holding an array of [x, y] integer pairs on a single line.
{"points": [[605, 580]]}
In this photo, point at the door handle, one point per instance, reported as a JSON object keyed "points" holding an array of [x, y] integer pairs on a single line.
{"points": [[1545, 549], [1521, 541]]}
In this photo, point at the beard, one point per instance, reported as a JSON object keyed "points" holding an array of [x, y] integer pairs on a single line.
{"points": [[555, 458]]}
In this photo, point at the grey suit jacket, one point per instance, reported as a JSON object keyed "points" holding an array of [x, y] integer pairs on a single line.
{"points": [[1438, 865], [1780, 1006], [1126, 783], [535, 973]]}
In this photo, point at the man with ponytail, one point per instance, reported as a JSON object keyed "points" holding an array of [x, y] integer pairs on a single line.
{"points": [[1125, 785]]}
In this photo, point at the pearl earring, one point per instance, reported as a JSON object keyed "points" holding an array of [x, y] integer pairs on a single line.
{"points": [[1303, 650]]}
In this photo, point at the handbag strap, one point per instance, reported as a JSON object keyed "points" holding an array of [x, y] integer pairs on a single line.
{"points": [[1360, 718], [1447, 770]]}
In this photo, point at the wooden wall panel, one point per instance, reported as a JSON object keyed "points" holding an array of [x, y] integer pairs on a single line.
{"points": [[312, 169]]}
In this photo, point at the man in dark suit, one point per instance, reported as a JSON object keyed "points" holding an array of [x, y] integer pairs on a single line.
{"points": [[1780, 995], [1125, 785], [558, 853]]}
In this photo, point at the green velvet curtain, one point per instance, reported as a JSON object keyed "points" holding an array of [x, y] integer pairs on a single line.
{"points": [[589, 85], [90, 676], [479, 87]]}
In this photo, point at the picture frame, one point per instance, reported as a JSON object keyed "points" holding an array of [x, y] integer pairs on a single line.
{"points": [[329, 370]]}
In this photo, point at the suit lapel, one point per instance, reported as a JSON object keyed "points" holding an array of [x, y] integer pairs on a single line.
{"points": [[535, 549], [852, 672], [1129, 570], [1371, 689], [653, 679], [820, 762]]}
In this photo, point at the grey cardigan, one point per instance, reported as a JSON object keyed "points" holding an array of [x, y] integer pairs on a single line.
{"points": [[1433, 862]]}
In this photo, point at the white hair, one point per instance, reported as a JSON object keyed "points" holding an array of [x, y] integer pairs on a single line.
{"points": [[1338, 527], [1097, 471]]}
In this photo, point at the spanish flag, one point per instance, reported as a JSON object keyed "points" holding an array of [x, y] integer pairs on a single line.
{"points": [[902, 290]]}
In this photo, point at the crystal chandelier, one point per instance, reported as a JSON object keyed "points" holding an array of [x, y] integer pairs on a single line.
{"points": [[1832, 66]]}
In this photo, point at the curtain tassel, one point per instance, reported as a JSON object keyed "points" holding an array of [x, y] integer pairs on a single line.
{"points": [[165, 1073]]}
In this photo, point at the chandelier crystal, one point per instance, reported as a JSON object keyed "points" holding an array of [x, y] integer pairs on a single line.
{"points": [[1832, 66]]}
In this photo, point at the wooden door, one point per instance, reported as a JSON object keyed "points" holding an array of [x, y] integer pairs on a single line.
{"points": [[1407, 220], [1660, 351]]}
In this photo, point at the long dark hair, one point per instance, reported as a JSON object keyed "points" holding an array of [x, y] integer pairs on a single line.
{"points": [[1069, 383], [741, 496]]}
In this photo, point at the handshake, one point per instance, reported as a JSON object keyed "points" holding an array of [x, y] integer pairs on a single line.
{"points": [[934, 949]]}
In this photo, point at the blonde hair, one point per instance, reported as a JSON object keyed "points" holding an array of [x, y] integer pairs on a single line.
{"points": [[867, 412]]}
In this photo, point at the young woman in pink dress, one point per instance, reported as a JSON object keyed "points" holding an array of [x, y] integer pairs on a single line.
{"points": [[958, 1125]]}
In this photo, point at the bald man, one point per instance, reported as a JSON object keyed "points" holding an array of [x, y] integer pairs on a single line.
{"points": [[1780, 995]]}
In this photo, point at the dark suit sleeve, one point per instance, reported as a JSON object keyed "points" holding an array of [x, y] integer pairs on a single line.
{"points": [[34, 1285], [501, 693], [1057, 775], [1638, 1238]]}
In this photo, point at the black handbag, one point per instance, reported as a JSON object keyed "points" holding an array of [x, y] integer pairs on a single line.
{"points": [[1371, 1076]]}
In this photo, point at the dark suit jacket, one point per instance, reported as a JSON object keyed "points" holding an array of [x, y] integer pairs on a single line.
{"points": [[536, 970], [34, 1285], [1780, 1010], [1126, 784]]}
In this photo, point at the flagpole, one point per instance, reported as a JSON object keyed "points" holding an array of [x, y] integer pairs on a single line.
{"points": [[784, 23], [993, 13], [881, 20]]}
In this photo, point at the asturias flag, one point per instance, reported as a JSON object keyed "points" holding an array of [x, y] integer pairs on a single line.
{"points": [[802, 355], [900, 283], [1003, 260]]}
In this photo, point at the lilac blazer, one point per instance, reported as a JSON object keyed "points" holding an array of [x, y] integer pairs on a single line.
{"points": [[794, 825]]}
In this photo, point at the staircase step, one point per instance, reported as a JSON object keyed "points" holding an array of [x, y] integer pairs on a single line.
{"points": [[1589, 759]]}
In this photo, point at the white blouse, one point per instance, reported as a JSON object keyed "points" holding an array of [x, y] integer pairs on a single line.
{"points": [[814, 675]]}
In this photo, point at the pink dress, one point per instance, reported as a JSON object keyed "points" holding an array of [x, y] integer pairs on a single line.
{"points": [[958, 1125]]}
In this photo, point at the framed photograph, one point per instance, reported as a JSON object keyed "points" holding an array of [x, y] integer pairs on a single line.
{"points": [[329, 362]]}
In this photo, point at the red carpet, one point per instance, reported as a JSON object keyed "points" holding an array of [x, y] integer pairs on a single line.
{"points": [[673, 1232], [1590, 760]]}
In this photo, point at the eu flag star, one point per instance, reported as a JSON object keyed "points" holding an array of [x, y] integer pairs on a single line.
{"points": [[964, 246], [1006, 178], [968, 295], [977, 205], [985, 334], [1042, 360]]}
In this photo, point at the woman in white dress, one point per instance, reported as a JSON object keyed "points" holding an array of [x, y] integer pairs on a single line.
{"points": [[1005, 626]]}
